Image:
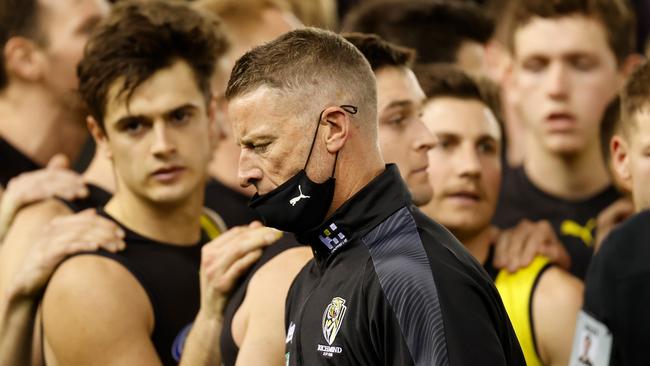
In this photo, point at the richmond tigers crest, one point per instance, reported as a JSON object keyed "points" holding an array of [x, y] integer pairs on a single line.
{"points": [[332, 318]]}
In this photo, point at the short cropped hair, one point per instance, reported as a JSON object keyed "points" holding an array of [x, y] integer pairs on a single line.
{"points": [[635, 97], [435, 29], [142, 37], [380, 53], [17, 18], [616, 16], [308, 61]]}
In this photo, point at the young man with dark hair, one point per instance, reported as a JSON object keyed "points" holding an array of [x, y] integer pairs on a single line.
{"points": [[616, 292], [403, 138], [41, 42], [440, 31], [562, 90], [304, 109], [465, 172], [146, 78]]}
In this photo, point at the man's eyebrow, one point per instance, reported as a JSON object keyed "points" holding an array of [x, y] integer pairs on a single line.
{"points": [[130, 118], [247, 140], [399, 103], [186, 106], [446, 134]]}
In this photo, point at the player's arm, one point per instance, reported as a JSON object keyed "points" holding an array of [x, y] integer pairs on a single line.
{"points": [[18, 304], [264, 336], [223, 261], [556, 303], [96, 313], [55, 180], [517, 247], [23, 234]]}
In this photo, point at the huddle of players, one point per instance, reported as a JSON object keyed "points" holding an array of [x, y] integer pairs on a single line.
{"points": [[562, 92]]}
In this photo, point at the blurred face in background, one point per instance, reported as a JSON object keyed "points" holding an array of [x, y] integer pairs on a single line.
{"points": [[565, 74], [403, 137], [465, 164]]}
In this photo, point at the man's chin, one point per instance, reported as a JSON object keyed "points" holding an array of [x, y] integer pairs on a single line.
{"points": [[565, 144]]}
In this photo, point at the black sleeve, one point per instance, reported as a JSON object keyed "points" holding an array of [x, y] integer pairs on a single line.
{"points": [[617, 290], [475, 319]]}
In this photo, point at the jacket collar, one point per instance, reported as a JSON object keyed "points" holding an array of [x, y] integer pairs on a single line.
{"points": [[375, 202]]}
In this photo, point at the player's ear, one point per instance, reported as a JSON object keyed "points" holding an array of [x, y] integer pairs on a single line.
{"points": [[98, 133], [338, 124], [621, 161]]}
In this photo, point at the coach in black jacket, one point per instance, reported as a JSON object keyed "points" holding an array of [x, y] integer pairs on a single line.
{"points": [[387, 286]]}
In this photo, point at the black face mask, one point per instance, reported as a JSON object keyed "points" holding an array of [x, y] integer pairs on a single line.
{"points": [[298, 204]]}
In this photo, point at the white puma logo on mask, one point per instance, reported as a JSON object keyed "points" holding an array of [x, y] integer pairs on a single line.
{"points": [[295, 200]]}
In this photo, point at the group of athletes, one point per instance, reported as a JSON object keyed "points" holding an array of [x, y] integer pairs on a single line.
{"points": [[273, 182]]}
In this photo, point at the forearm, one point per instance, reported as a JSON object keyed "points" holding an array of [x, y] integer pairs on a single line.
{"points": [[17, 315], [202, 344]]}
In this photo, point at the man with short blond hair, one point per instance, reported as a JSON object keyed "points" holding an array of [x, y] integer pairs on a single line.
{"points": [[304, 110]]}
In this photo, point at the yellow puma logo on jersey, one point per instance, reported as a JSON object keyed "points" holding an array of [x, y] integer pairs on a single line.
{"points": [[585, 233]]}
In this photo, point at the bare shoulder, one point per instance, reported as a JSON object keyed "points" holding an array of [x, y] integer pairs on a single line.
{"points": [[559, 287], [556, 303], [283, 267], [92, 301], [93, 282]]}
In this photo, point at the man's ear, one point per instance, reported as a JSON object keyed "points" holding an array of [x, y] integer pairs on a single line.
{"points": [[630, 64], [619, 149], [339, 125], [99, 135], [23, 59]]}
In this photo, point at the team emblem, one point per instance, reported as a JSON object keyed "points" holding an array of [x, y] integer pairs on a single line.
{"points": [[332, 318]]}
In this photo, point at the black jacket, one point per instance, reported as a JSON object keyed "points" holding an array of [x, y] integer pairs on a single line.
{"points": [[388, 286], [617, 290]]}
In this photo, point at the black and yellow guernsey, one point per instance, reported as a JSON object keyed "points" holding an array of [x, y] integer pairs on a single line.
{"points": [[517, 290], [388, 286]]}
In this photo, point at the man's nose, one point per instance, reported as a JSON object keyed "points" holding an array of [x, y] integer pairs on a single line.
{"points": [[248, 173], [163, 145], [424, 139]]}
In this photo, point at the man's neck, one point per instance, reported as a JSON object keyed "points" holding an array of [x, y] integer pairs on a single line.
{"points": [[575, 177], [477, 244], [100, 172], [39, 126], [178, 224]]}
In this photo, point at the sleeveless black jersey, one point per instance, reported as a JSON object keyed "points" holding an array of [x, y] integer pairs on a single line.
{"points": [[13, 162], [97, 197], [574, 222], [388, 286], [169, 274]]}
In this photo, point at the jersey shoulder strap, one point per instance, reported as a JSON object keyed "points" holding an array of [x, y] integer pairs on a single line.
{"points": [[211, 223], [516, 290]]}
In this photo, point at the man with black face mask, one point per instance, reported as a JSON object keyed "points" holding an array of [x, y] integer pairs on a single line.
{"points": [[385, 283]]}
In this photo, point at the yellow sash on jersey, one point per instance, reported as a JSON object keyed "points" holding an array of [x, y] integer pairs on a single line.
{"points": [[211, 223], [516, 290]]}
